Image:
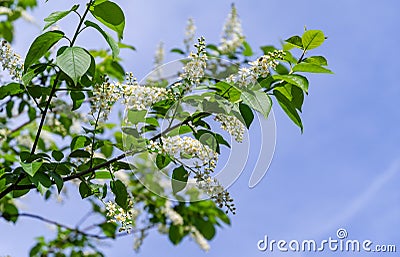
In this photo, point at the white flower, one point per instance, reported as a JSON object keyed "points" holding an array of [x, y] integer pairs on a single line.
{"points": [[176, 145], [193, 71], [4, 133], [11, 61], [171, 214], [125, 219], [232, 34], [134, 96], [199, 239], [189, 34], [104, 97], [232, 125], [258, 69], [159, 55]]}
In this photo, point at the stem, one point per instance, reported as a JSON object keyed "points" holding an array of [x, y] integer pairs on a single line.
{"points": [[94, 138], [55, 223], [78, 29], [46, 108], [15, 186]]}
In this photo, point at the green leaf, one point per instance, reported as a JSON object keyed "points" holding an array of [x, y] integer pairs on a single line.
{"points": [[137, 116], [311, 67], [297, 80], [56, 16], [77, 99], [206, 228], [258, 101], [318, 60], [175, 234], [74, 61], [122, 45], [111, 15], [109, 229], [178, 51], [57, 180], [79, 142], [179, 179], [32, 167], [57, 155], [41, 45], [268, 49], [84, 190], [295, 41], [120, 192], [10, 212], [247, 49], [246, 113], [288, 108], [162, 161], [80, 154], [312, 39], [111, 42], [10, 89]]}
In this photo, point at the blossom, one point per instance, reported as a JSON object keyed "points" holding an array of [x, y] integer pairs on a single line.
{"points": [[11, 61], [189, 34], [186, 146], [133, 95], [193, 71], [199, 239], [258, 69], [171, 214], [104, 97], [120, 216], [139, 97], [232, 34], [232, 125], [159, 55]]}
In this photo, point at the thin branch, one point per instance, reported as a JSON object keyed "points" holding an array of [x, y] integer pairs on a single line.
{"points": [[81, 232]]}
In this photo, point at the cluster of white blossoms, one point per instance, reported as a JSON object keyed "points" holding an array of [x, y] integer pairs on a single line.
{"points": [[171, 214], [193, 71], [187, 146], [104, 97], [199, 239], [159, 55], [258, 69], [189, 34], [4, 133], [11, 61], [232, 125], [133, 95], [125, 219], [232, 33]]}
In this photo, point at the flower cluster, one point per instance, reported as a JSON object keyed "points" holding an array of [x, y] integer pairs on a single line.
{"points": [[125, 219], [187, 146], [134, 96], [159, 55], [232, 125], [11, 61], [216, 191], [4, 133], [232, 35], [189, 34], [257, 69], [199, 239], [139, 97], [193, 71], [171, 214], [104, 97]]}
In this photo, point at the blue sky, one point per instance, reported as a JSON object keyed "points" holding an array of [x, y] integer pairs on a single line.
{"points": [[343, 172]]}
